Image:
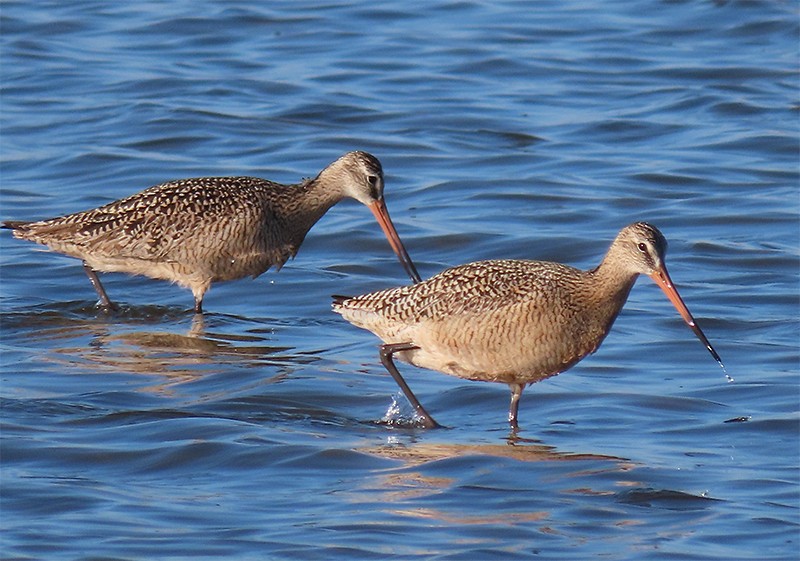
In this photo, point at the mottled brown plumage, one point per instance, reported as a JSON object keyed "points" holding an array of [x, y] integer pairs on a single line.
{"points": [[210, 229], [510, 321]]}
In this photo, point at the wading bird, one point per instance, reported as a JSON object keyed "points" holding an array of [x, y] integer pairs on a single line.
{"points": [[197, 231], [511, 321]]}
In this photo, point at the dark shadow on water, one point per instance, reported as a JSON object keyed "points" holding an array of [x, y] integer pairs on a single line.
{"points": [[664, 498]]}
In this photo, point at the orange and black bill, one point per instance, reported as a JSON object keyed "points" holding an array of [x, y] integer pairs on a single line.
{"points": [[378, 208], [661, 277]]}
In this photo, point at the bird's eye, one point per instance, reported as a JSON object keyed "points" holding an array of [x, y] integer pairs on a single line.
{"points": [[642, 247], [373, 180]]}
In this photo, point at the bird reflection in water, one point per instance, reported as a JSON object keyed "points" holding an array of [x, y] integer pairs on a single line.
{"points": [[168, 342]]}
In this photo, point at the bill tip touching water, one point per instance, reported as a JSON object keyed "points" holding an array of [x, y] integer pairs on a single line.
{"points": [[512, 321], [198, 231]]}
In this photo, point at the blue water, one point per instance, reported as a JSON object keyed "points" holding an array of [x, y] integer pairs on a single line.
{"points": [[506, 129]]}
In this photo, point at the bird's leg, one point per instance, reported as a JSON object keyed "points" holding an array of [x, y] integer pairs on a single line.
{"points": [[387, 351], [198, 291], [516, 393], [103, 301]]}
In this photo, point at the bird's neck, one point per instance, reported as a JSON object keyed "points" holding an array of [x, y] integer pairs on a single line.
{"points": [[308, 201], [612, 285]]}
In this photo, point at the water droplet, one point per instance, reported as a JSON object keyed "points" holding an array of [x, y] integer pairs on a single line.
{"points": [[393, 412], [728, 377]]}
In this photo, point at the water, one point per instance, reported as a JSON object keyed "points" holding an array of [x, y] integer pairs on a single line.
{"points": [[506, 129]]}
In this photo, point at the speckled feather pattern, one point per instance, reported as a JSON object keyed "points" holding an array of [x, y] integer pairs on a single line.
{"points": [[201, 230], [511, 321], [181, 221], [474, 288]]}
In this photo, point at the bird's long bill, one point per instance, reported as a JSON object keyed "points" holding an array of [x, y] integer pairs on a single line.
{"points": [[378, 208], [661, 277]]}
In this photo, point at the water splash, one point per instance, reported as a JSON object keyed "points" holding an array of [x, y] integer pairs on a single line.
{"points": [[401, 414], [393, 413]]}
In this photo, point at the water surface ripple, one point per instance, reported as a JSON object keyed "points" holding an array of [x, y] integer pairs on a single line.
{"points": [[506, 129]]}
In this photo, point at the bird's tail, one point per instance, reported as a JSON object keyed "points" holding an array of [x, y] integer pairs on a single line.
{"points": [[338, 299], [14, 224]]}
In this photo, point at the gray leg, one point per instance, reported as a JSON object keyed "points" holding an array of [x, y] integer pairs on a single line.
{"points": [[101, 292], [387, 351], [516, 393]]}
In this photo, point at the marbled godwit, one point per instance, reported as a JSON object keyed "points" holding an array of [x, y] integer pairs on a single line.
{"points": [[197, 231], [515, 322]]}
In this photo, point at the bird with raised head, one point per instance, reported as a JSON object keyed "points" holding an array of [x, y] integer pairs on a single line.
{"points": [[511, 321]]}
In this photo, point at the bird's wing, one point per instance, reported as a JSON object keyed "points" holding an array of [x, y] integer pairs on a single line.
{"points": [[467, 289]]}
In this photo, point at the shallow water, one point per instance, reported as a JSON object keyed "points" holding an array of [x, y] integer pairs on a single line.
{"points": [[506, 129]]}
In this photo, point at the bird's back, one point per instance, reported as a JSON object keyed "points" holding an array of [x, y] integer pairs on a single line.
{"points": [[470, 289], [222, 227]]}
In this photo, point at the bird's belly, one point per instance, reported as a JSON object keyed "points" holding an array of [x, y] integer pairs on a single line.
{"points": [[493, 352], [183, 269], [173, 271], [232, 268]]}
